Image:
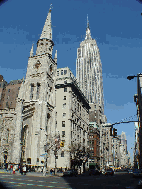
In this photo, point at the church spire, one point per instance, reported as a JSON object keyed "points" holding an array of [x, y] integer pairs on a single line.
{"points": [[88, 32], [47, 30]]}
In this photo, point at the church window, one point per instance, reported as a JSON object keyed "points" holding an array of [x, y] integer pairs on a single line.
{"points": [[65, 72], [32, 89], [62, 72], [38, 89], [51, 68]]}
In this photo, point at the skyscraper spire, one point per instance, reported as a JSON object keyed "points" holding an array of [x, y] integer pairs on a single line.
{"points": [[88, 32], [87, 22], [47, 30]]}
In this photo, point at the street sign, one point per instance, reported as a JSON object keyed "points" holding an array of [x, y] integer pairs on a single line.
{"points": [[43, 154]]}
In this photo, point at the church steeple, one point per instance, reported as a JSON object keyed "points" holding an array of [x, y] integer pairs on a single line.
{"points": [[88, 32], [47, 30], [45, 43]]}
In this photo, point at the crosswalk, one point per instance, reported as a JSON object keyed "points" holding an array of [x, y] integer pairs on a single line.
{"points": [[33, 183]]}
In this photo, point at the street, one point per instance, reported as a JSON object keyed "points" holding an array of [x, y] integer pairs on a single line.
{"points": [[119, 181]]}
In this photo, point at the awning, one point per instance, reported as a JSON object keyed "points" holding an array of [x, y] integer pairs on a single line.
{"points": [[92, 164]]}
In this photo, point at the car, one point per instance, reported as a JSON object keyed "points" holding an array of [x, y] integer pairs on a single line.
{"points": [[70, 172], [130, 171], [109, 172], [94, 172], [137, 173]]}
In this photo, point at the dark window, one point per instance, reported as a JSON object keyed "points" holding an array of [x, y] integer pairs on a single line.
{"points": [[57, 73], [37, 159], [65, 72], [62, 72], [62, 154], [64, 98], [63, 133], [38, 89], [7, 104], [65, 89], [29, 160], [63, 123], [32, 89]]}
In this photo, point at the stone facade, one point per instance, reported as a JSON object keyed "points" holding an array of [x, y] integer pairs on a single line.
{"points": [[72, 117], [36, 102]]}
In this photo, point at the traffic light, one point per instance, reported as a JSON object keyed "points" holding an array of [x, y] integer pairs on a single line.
{"points": [[61, 144], [114, 132], [111, 131]]}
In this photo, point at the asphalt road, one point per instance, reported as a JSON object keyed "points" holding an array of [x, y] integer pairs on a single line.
{"points": [[121, 181]]}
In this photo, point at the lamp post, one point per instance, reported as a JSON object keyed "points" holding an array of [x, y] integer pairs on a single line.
{"points": [[139, 114]]}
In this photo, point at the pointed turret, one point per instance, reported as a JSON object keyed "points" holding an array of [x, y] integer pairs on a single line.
{"points": [[32, 51], [55, 57], [88, 32], [47, 30]]}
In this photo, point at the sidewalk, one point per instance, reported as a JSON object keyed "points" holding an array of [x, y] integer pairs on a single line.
{"points": [[37, 174]]}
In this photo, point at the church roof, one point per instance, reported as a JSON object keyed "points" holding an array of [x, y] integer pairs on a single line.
{"points": [[47, 30]]}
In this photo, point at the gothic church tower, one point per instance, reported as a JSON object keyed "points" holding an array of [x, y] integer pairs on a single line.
{"points": [[36, 101]]}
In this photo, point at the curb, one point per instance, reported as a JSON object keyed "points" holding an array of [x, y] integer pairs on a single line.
{"points": [[31, 174]]}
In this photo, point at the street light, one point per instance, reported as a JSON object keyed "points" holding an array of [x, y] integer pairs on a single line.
{"points": [[139, 114]]}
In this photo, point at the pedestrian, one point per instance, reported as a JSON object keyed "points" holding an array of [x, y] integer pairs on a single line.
{"points": [[51, 171], [21, 170], [11, 168], [24, 169]]}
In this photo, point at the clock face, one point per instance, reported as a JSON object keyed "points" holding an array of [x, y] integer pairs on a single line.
{"points": [[37, 65]]}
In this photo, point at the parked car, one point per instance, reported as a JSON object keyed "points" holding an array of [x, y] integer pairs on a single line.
{"points": [[94, 172], [137, 173], [70, 172], [130, 171], [109, 172]]}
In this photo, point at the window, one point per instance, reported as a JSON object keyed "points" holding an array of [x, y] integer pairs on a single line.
{"points": [[65, 89], [7, 104], [65, 72], [38, 89], [32, 89], [64, 115], [63, 133], [62, 154], [63, 123], [8, 90], [64, 98], [29, 160], [64, 105], [61, 72], [37, 160], [57, 73]]}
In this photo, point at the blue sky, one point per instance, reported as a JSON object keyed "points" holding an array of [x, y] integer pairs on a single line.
{"points": [[116, 26]]}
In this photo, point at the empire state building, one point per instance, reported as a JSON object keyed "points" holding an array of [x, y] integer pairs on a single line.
{"points": [[89, 71]]}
